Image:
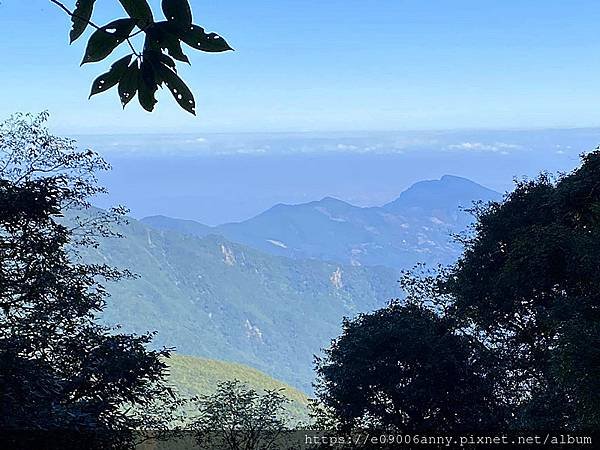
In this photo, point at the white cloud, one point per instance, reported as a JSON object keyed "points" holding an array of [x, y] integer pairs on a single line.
{"points": [[347, 147], [250, 151], [497, 147]]}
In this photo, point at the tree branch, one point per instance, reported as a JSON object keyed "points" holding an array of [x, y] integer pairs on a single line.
{"points": [[133, 48], [65, 9], [72, 14]]}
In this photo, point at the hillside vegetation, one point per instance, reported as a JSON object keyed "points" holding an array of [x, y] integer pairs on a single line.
{"points": [[199, 376], [212, 298], [275, 300]]}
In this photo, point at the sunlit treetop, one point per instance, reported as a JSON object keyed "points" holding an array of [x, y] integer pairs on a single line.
{"points": [[143, 71]]}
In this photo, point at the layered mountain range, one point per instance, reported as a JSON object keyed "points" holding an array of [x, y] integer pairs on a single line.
{"points": [[271, 292], [416, 227]]}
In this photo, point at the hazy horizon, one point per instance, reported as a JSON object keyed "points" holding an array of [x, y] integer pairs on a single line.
{"points": [[228, 177]]}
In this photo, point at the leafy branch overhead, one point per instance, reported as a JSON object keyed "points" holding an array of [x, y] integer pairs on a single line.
{"points": [[142, 73]]}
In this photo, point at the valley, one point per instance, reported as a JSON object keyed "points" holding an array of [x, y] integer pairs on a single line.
{"points": [[271, 292]]}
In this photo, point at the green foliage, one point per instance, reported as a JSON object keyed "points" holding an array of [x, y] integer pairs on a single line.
{"points": [[195, 377], [151, 68], [59, 368], [528, 282], [509, 334], [402, 368], [238, 417], [213, 298]]}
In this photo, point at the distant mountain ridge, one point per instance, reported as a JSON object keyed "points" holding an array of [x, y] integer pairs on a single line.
{"points": [[416, 227], [271, 291], [216, 299]]}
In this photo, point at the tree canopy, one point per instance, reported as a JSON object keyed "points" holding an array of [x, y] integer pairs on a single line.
{"points": [[529, 284], [59, 368], [143, 71], [508, 336], [403, 368], [237, 417]]}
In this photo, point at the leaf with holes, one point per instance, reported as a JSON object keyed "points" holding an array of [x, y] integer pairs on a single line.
{"points": [[177, 11], [139, 10], [128, 84], [173, 47], [111, 78], [81, 18], [156, 58], [106, 39], [178, 88], [147, 85], [197, 38], [163, 35], [167, 61]]}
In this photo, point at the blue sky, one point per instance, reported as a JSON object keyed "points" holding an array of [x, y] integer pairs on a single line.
{"points": [[331, 65]]}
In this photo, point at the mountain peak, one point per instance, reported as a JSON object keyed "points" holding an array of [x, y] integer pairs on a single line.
{"points": [[449, 192], [455, 179], [189, 227], [332, 201], [325, 201]]}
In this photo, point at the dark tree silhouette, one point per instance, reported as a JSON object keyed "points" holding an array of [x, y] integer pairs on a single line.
{"points": [[237, 417], [403, 368], [142, 72], [59, 368], [529, 284], [509, 335]]}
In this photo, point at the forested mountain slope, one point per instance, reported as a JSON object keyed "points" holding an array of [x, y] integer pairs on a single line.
{"points": [[213, 298]]}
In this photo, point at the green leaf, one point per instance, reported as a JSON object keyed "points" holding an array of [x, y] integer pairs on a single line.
{"points": [[81, 18], [109, 79], [128, 85], [197, 38], [147, 85], [178, 88], [163, 35], [139, 10], [103, 41], [177, 11]]}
